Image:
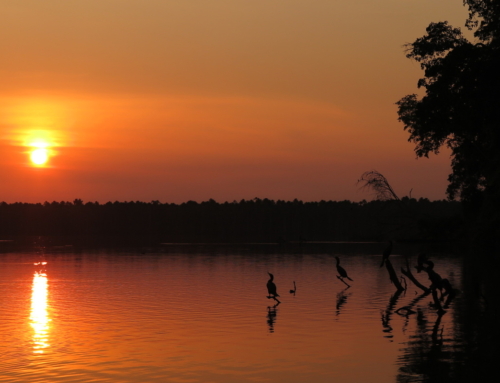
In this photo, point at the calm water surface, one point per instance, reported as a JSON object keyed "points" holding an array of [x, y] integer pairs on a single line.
{"points": [[203, 316]]}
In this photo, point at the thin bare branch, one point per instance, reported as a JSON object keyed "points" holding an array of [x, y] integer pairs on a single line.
{"points": [[378, 183]]}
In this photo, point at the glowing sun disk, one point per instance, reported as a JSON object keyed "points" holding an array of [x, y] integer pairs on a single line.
{"points": [[39, 156]]}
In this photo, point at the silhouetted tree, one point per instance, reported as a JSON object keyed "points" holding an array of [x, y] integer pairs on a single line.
{"points": [[461, 108], [257, 220]]}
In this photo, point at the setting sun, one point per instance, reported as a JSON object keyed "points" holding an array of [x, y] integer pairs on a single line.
{"points": [[39, 156]]}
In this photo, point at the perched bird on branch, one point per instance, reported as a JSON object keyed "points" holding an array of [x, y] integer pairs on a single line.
{"points": [[435, 278], [342, 272], [386, 253], [271, 289]]}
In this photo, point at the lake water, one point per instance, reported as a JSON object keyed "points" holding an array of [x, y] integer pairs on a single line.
{"points": [[200, 314]]}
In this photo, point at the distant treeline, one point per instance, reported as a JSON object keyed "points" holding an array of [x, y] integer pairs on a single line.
{"points": [[257, 220]]}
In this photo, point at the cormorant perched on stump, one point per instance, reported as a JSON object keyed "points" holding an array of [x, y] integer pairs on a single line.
{"points": [[342, 272], [271, 289]]}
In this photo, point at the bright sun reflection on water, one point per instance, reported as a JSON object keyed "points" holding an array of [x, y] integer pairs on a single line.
{"points": [[39, 316]]}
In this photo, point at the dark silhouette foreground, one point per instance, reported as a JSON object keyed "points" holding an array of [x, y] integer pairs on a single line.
{"points": [[342, 273], [271, 289]]}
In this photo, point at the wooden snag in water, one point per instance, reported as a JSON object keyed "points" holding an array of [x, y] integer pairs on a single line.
{"points": [[392, 275], [412, 278]]}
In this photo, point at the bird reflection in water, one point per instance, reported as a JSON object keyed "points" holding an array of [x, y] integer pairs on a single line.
{"points": [[341, 300], [39, 319], [272, 311]]}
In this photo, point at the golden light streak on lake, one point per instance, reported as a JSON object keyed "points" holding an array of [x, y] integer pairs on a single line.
{"points": [[188, 315], [39, 315]]}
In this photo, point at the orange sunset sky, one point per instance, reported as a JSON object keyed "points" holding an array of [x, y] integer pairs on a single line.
{"points": [[227, 99]]}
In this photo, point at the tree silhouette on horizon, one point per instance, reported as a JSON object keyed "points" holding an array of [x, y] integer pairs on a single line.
{"points": [[461, 109]]}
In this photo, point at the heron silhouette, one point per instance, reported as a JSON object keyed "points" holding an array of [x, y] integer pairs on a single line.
{"points": [[342, 272], [294, 288], [271, 289], [386, 253]]}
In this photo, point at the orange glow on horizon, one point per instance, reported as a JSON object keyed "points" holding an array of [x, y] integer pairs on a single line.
{"points": [[255, 146], [39, 125]]}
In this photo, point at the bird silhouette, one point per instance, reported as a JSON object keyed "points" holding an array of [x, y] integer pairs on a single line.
{"points": [[386, 253], [342, 272], [271, 288], [294, 288], [435, 278]]}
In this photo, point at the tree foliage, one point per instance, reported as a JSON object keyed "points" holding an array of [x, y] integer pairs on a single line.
{"points": [[460, 108], [484, 16], [461, 105], [257, 220]]}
